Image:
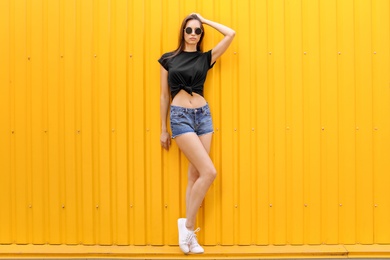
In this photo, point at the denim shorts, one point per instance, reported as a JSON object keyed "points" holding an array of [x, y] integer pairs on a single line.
{"points": [[191, 120]]}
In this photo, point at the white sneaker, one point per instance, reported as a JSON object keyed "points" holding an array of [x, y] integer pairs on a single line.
{"points": [[194, 246], [185, 235]]}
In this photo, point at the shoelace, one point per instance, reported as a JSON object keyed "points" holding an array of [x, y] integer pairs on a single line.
{"points": [[193, 240], [190, 235]]}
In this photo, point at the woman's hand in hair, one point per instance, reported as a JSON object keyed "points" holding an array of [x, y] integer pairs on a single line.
{"points": [[199, 16]]}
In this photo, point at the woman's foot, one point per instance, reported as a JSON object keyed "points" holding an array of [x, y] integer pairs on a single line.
{"points": [[187, 238], [194, 246]]}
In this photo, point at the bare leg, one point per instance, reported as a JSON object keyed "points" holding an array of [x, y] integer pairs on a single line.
{"points": [[201, 172], [193, 173]]}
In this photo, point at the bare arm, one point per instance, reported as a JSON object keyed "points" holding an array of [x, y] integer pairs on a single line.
{"points": [[222, 46], [165, 138]]}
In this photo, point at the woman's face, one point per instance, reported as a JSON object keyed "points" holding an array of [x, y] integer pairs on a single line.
{"points": [[191, 32]]}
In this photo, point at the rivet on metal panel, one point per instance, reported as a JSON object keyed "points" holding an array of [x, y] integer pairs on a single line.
{"points": [[235, 129], [147, 129], [375, 128], [131, 55], [28, 58], [97, 206], [63, 206], [166, 205], [12, 131], [340, 205], [339, 53], [374, 52], [357, 128], [287, 128], [235, 53], [217, 129], [45, 131], [78, 131], [236, 206], [62, 56], [322, 128], [305, 53], [30, 206], [253, 129], [376, 205], [305, 205], [113, 130], [269, 53], [270, 205], [131, 205], [95, 56]]}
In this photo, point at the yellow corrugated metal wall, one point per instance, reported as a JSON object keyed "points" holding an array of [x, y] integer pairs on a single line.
{"points": [[301, 107]]}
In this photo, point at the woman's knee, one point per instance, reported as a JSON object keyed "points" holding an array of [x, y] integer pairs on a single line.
{"points": [[193, 173], [211, 174]]}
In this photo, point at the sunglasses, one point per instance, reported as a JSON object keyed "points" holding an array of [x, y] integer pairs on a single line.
{"points": [[198, 31]]}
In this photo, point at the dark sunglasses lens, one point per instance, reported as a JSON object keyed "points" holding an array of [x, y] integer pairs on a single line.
{"points": [[188, 30], [198, 31]]}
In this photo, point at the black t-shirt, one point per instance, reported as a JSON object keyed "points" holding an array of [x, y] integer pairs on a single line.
{"points": [[187, 71]]}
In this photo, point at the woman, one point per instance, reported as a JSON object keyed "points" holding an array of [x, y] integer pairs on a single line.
{"points": [[183, 73]]}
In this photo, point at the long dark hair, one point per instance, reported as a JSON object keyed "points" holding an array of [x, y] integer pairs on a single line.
{"points": [[181, 45]]}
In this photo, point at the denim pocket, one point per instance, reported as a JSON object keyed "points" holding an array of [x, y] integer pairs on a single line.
{"points": [[177, 116], [206, 112]]}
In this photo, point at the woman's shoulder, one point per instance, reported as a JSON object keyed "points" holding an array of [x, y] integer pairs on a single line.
{"points": [[165, 59], [167, 54], [209, 52]]}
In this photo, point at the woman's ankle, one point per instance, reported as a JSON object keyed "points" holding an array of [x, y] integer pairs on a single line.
{"points": [[189, 227]]}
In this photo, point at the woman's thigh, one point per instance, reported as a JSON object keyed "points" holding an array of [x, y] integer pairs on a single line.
{"points": [[193, 173], [196, 149]]}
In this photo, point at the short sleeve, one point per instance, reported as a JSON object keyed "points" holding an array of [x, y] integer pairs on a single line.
{"points": [[209, 58], [164, 60]]}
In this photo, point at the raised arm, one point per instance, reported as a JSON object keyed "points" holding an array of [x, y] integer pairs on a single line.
{"points": [[222, 46]]}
